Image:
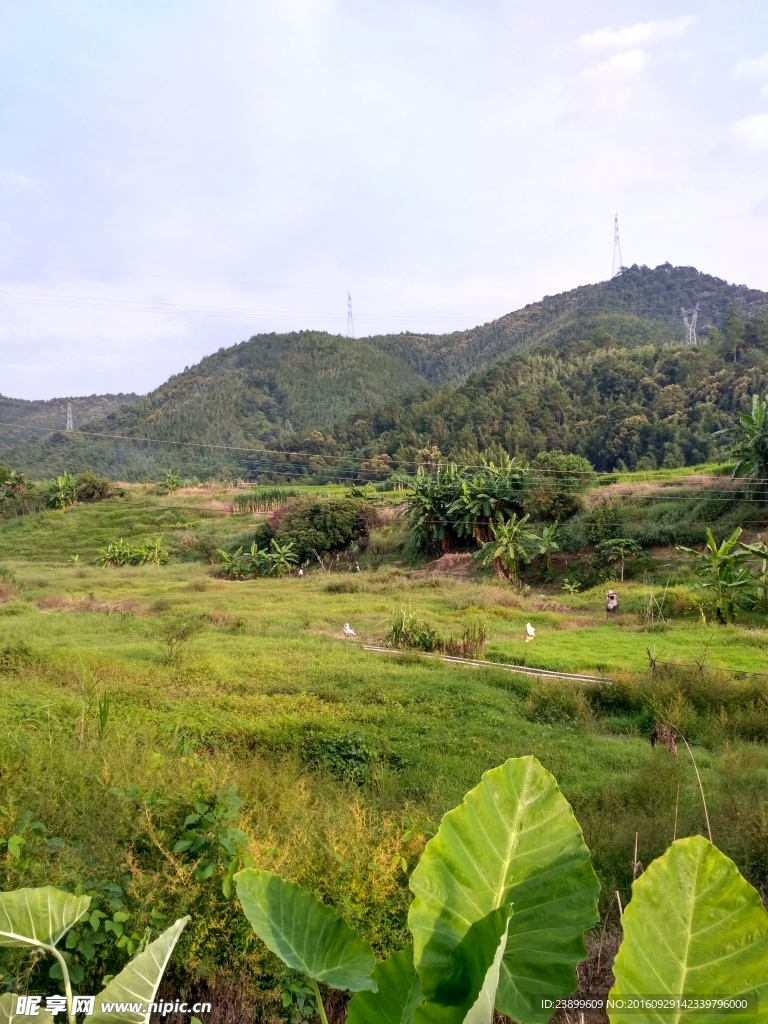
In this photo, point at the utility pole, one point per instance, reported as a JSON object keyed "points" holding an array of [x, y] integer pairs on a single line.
{"points": [[350, 321], [69, 416], [689, 319], [616, 248]]}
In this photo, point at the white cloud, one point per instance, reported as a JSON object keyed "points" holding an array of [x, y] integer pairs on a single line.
{"points": [[621, 64], [611, 38], [764, 93], [752, 67], [752, 132]]}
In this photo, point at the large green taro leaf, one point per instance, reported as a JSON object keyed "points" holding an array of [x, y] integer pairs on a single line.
{"points": [[398, 995], [513, 840], [694, 927], [467, 992], [38, 916], [8, 1013], [304, 933], [138, 981]]}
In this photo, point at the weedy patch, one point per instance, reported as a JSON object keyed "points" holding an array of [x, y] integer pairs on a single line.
{"points": [[16, 657]]}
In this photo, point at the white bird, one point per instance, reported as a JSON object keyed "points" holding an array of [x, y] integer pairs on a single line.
{"points": [[348, 631], [530, 632]]}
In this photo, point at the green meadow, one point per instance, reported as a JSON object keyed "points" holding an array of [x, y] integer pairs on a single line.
{"points": [[337, 763]]}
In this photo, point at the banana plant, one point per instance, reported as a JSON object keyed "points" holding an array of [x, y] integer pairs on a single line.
{"points": [[231, 563], [38, 919], [259, 563], [61, 492], [723, 574], [282, 557], [512, 543]]}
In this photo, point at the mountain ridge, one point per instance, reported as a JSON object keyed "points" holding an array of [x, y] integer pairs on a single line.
{"points": [[305, 390]]}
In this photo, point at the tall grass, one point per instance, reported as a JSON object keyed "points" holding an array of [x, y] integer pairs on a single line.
{"points": [[264, 499]]}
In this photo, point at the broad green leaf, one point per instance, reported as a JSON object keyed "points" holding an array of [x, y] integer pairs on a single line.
{"points": [[39, 916], [513, 840], [399, 993], [304, 933], [467, 993], [8, 1013], [694, 927], [138, 981]]}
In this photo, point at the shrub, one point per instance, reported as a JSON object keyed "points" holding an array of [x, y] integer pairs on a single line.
{"points": [[89, 487], [349, 757], [16, 657], [604, 521], [323, 526], [556, 704], [173, 635], [556, 484], [471, 643], [406, 631]]}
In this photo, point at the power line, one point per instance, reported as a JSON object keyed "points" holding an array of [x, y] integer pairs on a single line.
{"points": [[260, 463], [350, 321], [91, 302]]}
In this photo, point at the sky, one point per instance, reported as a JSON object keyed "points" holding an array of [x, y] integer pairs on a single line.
{"points": [[178, 176]]}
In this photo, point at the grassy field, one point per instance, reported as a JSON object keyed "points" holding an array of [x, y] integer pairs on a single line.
{"points": [[344, 760]]}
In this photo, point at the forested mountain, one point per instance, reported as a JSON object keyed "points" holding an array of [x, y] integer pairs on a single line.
{"points": [[588, 371], [22, 421], [621, 406]]}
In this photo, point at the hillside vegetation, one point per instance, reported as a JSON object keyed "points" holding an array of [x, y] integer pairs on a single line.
{"points": [[22, 420], [619, 405], [568, 371]]}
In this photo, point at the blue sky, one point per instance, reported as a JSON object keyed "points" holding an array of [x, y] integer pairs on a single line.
{"points": [[177, 176]]}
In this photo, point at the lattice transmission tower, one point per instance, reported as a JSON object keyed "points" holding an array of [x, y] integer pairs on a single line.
{"points": [[690, 317], [70, 425], [616, 248], [350, 321]]}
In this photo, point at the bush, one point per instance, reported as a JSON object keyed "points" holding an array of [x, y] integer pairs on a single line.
{"points": [[323, 526], [556, 484], [604, 521], [556, 704], [406, 631], [348, 757], [89, 487], [173, 635], [471, 643], [15, 657], [9, 585]]}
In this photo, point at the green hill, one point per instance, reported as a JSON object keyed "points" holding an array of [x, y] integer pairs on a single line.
{"points": [[22, 421], [538, 377], [622, 407]]}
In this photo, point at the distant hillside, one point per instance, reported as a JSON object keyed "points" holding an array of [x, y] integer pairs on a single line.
{"points": [[22, 420], [621, 405], [311, 391]]}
